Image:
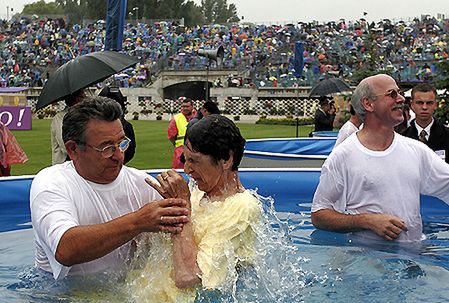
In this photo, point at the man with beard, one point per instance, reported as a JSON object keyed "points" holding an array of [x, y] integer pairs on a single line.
{"points": [[371, 183]]}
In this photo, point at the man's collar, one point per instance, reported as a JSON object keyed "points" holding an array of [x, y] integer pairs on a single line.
{"points": [[427, 128]]}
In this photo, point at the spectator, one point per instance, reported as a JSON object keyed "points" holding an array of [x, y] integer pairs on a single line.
{"points": [[10, 151], [425, 127], [114, 93], [177, 129], [351, 126], [208, 108], [324, 116], [58, 151]]}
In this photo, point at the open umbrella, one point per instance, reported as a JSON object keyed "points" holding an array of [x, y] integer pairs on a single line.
{"points": [[329, 86], [82, 72]]}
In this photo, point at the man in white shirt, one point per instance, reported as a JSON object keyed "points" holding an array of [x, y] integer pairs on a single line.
{"points": [[351, 126], [86, 211], [371, 183]]}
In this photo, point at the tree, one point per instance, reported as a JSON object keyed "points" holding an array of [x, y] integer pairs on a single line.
{"points": [[443, 71], [96, 9], [442, 112], [42, 8], [192, 14], [75, 10], [218, 11], [210, 11], [207, 7], [232, 13]]}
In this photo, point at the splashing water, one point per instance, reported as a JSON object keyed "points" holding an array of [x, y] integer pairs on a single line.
{"points": [[277, 274]]}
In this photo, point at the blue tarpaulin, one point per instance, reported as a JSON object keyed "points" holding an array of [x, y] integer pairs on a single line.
{"points": [[115, 22], [288, 188], [295, 146]]}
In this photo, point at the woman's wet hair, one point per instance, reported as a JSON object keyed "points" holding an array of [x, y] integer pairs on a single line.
{"points": [[74, 124], [217, 136]]}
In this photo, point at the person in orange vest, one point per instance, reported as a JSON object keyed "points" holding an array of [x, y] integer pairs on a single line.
{"points": [[177, 129]]}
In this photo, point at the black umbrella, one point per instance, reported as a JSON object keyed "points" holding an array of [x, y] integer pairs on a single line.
{"points": [[82, 72], [329, 86]]}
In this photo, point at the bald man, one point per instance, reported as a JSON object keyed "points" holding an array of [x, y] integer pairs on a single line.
{"points": [[371, 183]]}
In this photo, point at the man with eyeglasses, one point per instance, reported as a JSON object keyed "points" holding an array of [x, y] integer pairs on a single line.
{"points": [[86, 211], [371, 183], [424, 127]]}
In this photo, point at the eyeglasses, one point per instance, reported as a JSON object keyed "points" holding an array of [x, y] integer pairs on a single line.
{"points": [[393, 93], [108, 151]]}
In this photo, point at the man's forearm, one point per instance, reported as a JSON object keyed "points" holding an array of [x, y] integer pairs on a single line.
{"points": [[82, 244], [332, 220]]}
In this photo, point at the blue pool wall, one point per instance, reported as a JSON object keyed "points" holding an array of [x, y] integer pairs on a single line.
{"points": [[292, 190], [290, 146]]}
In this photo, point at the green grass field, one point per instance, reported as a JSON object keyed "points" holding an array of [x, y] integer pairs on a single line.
{"points": [[153, 148]]}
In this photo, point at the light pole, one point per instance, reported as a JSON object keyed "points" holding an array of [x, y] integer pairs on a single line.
{"points": [[7, 12], [213, 54]]}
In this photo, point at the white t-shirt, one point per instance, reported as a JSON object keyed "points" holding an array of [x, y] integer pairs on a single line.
{"points": [[61, 199], [356, 180], [345, 131]]}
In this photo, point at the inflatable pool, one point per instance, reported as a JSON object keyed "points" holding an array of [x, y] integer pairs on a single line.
{"points": [[287, 152], [325, 133], [312, 266]]}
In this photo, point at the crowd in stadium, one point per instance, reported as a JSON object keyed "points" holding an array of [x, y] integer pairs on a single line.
{"points": [[31, 48]]}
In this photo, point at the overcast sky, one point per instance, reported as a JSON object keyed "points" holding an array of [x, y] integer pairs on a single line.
{"points": [[268, 11]]}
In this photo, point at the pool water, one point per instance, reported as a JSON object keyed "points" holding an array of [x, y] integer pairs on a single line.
{"points": [[296, 262], [296, 267]]}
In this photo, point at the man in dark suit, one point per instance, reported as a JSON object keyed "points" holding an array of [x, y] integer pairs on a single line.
{"points": [[424, 127], [324, 115]]}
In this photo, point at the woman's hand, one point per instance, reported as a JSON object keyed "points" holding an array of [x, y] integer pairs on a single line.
{"points": [[171, 185]]}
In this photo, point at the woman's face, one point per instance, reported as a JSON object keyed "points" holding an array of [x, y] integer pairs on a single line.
{"points": [[203, 169]]}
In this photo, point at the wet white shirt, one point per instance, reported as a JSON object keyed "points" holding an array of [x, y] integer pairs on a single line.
{"points": [[345, 131], [356, 180], [61, 199]]}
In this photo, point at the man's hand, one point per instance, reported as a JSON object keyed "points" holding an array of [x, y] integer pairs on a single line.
{"points": [[85, 243], [168, 215], [386, 226]]}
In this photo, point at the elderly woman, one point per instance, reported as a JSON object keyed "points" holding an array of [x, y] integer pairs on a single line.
{"points": [[223, 216]]}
